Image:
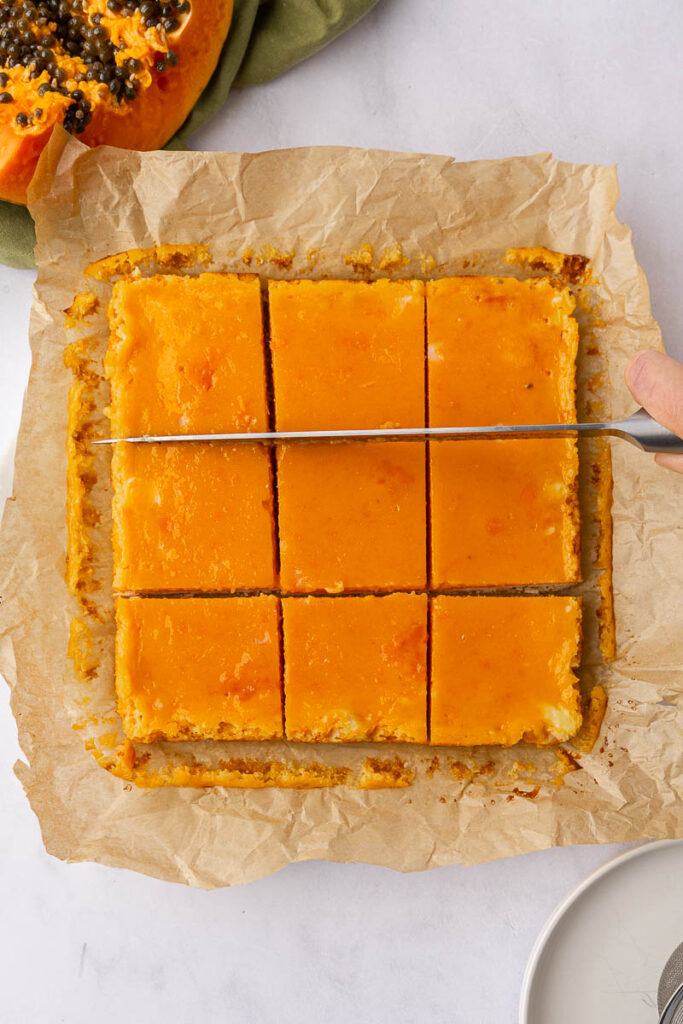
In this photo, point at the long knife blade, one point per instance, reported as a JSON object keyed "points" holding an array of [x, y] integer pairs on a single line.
{"points": [[640, 429], [498, 432]]}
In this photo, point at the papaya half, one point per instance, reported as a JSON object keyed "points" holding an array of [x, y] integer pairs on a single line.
{"points": [[121, 72]]}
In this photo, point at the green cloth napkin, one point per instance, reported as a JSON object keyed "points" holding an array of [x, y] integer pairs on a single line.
{"points": [[266, 38]]}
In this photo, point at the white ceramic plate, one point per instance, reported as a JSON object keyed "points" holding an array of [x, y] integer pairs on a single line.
{"points": [[599, 957]]}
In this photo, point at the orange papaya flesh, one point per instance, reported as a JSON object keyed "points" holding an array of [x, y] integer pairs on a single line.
{"points": [[117, 72]]}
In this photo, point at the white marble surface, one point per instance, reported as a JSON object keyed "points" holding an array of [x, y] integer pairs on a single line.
{"points": [[597, 80]]}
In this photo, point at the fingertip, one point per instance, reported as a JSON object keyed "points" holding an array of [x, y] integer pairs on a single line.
{"points": [[636, 368], [669, 461]]}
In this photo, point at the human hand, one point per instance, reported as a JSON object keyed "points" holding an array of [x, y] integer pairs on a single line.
{"points": [[656, 382]]}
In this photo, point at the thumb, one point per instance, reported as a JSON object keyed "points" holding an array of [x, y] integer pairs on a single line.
{"points": [[656, 381]]}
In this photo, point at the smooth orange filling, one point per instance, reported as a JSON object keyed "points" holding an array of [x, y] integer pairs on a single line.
{"points": [[192, 517], [350, 354], [347, 353], [198, 668], [500, 351], [186, 355], [502, 513], [352, 517], [356, 668], [502, 670]]}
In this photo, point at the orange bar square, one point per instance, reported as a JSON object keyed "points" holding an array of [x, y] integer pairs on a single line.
{"points": [[352, 517], [199, 668], [502, 670], [356, 668], [186, 355], [347, 354], [500, 351], [192, 517], [504, 513]]}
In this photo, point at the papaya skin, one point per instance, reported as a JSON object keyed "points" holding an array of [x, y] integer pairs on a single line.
{"points": [[145, 123]]}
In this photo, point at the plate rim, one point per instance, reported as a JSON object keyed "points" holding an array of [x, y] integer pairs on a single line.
{"points": [[563, 906]]}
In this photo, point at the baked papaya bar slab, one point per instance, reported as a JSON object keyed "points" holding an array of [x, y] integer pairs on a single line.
{"points": [[334, 214]]}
